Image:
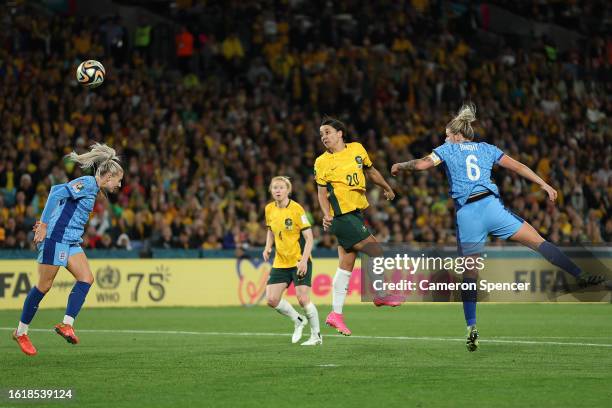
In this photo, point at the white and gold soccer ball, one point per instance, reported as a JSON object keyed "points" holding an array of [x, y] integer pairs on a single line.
{"points": [[90, 73]]}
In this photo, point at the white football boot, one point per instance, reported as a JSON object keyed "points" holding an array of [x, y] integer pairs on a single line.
{"points": [[314, 340], [299, 328]]}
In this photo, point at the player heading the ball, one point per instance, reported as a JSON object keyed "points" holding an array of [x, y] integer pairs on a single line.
{"points": [[58, 237]]}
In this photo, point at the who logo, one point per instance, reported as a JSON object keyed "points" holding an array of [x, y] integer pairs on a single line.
{"points": [[108, 277]]}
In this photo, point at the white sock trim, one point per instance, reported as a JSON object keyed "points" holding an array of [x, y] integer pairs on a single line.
{"points": [[340, 284], [286, 309], [313, 318], [344, 271], [68, 320], [22, 329]]}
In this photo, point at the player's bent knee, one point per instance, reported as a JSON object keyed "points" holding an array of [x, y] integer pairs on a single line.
{"points": [[83, 275], [347, 263], [45, 286], [273, 301], [373, 249], [303, 300]]}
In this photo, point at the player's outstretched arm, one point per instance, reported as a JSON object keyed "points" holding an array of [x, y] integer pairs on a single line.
{"points": [[380, 181], [325, 207], [519, 168], [419, 164]]}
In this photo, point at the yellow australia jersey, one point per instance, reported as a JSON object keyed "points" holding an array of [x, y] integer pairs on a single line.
{"points": [[287, 225], [342, 174]]}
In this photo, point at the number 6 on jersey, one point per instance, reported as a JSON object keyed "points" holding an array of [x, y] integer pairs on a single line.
{"points": [[473, 171]]}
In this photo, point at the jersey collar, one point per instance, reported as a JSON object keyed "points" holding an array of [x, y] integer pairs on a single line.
{"points": [[340, 151], [288, 202]]}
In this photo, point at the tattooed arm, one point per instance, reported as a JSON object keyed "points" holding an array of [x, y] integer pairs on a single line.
{"points": [[425, 163]]}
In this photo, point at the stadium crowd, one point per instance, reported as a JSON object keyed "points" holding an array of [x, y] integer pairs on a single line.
{"points": [[201, 142]]}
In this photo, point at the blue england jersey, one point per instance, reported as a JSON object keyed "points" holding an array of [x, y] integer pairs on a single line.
{"points": [[68, 208], [468, 168]]}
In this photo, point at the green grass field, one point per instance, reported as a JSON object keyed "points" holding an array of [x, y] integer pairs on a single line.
{"points": [[531, 355]]}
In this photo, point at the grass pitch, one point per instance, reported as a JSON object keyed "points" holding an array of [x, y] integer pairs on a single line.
{"points": [[540, 355]]}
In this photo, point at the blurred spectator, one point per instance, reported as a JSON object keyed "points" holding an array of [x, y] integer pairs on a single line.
{"points": [[115, 39], [166, 241], [233, 52], [106, 242], [184, 49], [142, 38], [123, 242]]}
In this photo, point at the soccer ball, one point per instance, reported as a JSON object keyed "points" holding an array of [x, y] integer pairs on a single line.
{"points": [[90, 73]]}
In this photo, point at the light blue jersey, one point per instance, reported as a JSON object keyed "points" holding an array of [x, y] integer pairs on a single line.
{"points": [[68, 208], [468, 168]]}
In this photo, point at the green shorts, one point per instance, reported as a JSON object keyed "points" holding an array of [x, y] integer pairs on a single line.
{"points": [[288, 275], [350, 229]]}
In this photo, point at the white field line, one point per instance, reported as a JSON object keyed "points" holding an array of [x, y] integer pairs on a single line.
{"points": [[405, 338]]}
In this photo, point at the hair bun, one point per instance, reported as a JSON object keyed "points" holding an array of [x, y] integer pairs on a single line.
{"points": [[467, 113]]}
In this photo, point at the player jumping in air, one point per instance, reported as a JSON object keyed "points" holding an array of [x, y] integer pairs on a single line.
{"points": [[340, 177], [289, 230], [58, 235], [478, 206]]}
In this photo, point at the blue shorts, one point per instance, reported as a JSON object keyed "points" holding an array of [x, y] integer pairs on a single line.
{"points": [[56, 253], [475, 221]]}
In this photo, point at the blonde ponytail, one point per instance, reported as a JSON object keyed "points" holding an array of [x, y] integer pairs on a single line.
{"points": [[102, 157], [461, 123]]}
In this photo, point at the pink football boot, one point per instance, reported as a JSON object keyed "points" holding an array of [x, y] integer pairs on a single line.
{"points": [[388, 300], [336, 320]]}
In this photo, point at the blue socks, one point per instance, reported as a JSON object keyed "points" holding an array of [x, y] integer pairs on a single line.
{"points": [[77, 298], [30, 306], [548, 251], [469, 297], [558, 258]]}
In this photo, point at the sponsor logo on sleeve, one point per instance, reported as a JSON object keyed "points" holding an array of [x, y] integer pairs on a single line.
{"points": [[359, 161], [77, 187]]}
